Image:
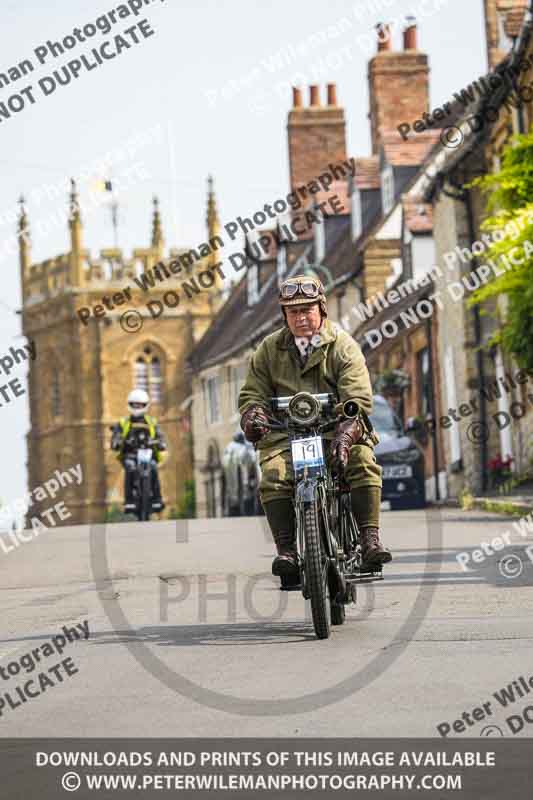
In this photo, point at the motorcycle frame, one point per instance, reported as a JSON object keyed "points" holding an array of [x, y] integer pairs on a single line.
{"points": [[333, 503]]}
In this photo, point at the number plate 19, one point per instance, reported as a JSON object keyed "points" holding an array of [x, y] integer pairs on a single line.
{"points": [[307, 455]]}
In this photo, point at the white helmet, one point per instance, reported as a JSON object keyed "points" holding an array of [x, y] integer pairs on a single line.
{"points": [[138, 402]]}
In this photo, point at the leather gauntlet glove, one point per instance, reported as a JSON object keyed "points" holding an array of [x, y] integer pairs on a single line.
{"points": [[347, 433], [254, 423]]}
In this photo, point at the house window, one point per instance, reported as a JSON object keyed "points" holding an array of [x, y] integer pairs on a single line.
{"points": [[56, 394], [357, 215], [387, 189], [253, 284], [424, 383], [238, 375], [396, 266], [213, 400]]}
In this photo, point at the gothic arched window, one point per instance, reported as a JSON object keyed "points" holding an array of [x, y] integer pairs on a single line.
{"points": [[141, 374], [147, 375], [155, 380]]}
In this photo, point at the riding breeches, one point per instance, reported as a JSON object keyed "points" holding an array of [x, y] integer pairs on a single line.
{"points": [[277, 475]]}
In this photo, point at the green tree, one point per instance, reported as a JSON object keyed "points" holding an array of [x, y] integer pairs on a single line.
{"points": [[116, 514], [510, 199], [187, 505]]}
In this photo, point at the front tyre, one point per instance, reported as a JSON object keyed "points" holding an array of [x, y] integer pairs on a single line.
{"points": [[315, 567], [144, 500]]}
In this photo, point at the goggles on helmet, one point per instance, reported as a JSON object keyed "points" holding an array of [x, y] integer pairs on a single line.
{"points": [[307, 288]]}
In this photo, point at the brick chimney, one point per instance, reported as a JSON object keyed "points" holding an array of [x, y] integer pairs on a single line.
{"points": [[503, 20], [398, 82], [316, 135]]}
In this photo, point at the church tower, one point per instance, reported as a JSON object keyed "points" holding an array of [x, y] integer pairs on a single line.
{"points": [[84, 369], [214, 228]]}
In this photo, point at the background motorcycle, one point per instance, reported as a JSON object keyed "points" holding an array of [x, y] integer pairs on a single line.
{"points": [[142, 485]]}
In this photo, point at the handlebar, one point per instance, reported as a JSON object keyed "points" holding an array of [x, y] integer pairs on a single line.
{"points": [[132, 440], [325, 400], [275, 425]]}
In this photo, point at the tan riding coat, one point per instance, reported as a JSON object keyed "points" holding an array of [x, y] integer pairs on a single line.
{"points": [[336, 366]]}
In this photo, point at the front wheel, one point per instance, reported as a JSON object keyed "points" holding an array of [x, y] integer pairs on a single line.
{"points": [[315, 567], [144, 498]]}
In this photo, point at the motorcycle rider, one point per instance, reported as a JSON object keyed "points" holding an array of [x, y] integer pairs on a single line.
{"points": [[312, 354], [239, 464], [126, 441]]}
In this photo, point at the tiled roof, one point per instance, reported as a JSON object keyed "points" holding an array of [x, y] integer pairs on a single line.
{"points": [[401, 153], [393, 311], [367, 173], [237, 326], [338, 189], [418, 216]]}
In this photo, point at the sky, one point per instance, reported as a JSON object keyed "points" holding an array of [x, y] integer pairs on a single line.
{"points": [[207, 92]]}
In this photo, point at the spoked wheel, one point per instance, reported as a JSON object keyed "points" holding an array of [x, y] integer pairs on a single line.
{"points": [[315, 566]]}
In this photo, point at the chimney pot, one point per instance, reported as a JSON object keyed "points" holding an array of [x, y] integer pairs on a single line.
{"points": [[410, 34], [314, 97], [332, 94], [384, 37], [296, 97]]}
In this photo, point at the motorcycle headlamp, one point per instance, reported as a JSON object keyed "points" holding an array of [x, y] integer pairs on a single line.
{"points": [[304, 409]]}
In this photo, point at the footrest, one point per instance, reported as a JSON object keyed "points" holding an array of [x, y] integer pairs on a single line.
{"points": [[363, 577]]}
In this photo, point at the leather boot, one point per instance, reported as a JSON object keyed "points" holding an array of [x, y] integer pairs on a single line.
{"points": [[365, 502], [280, 515], [373, 553]]}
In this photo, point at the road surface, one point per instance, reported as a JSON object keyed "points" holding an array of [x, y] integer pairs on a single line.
{"points": [[189, 635]]}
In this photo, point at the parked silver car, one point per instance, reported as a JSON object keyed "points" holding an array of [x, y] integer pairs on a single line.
{"points": [[241, 478]]}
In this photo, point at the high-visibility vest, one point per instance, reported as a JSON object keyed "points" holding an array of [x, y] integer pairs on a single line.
{"points": [[125, 427]]}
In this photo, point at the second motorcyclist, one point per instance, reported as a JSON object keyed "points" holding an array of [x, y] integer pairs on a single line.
{"points": [[125, 440]]}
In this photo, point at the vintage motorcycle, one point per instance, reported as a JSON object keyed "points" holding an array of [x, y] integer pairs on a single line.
{"points": [[327, 536], [139, 441]]}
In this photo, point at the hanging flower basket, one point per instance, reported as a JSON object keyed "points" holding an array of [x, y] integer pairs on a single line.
{"points": [[500, 469]]}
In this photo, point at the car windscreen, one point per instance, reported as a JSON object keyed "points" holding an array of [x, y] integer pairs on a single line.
{"points": [[384, 421]]}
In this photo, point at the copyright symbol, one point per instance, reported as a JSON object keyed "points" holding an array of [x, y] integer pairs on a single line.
{"points": [[478, 432], [511, 567], [452, 137], [131, 321], [491, 730], [71, 781]]}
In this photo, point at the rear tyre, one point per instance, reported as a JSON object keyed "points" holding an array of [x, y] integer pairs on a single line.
{"points": [[315, 572]]}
